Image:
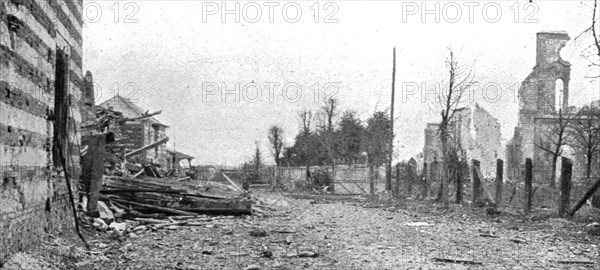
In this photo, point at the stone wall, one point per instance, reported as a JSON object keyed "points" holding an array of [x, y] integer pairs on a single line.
{"points": [[40, 66]]}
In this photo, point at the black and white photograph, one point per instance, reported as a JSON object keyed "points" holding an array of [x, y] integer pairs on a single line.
{"points": [[299, 134]]}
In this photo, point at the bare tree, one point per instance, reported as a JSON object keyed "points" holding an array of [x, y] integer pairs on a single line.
{"points": [[592, 52], [593, 63], [459, 82], [327, 135], [329, 111], [305, 121], [586, 135], [276, 139], [554, 136], [304, 139]]}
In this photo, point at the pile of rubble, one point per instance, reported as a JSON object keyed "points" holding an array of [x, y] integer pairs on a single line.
{"points": [[120, 189]]}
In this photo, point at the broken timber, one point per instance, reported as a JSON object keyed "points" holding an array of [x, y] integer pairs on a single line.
{"points": [[232, 183], [144, 148], [140, 117], [149, 195], [448, 260]]}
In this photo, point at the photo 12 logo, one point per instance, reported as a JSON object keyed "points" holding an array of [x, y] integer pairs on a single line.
{"points": [[490, 92], [118, 11], [253, 12], [253, 92], [454, 12]]}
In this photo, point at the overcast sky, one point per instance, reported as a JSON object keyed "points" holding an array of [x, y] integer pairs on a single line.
{"points": [[176, 56]]}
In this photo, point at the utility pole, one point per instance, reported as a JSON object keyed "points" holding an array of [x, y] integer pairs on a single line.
{"points": [[388, 178]]}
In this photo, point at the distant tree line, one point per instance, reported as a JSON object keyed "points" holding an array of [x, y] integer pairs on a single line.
{"points": [[328, 137]]}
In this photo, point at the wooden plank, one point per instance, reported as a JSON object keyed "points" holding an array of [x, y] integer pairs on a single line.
{"points": [[231, 182], [154, 207], [363, 190], [146, 147], [342, 185], [92, 169], [141, 117]]}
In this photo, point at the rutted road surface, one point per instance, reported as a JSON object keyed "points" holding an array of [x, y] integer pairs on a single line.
{"points": [[307, 234]]}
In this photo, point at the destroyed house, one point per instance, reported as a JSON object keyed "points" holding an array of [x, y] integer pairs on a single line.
{"points": [[41, 97], [139, 133], [544, 91], [478, 134], [178, 160]]}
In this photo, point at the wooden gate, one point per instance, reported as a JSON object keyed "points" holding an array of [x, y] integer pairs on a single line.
{"points": [[352, 181]]}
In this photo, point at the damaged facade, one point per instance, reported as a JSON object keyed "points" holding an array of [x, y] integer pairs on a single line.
{"points": [[41, 82], [478, 133], [139, 133], [545, 90]]}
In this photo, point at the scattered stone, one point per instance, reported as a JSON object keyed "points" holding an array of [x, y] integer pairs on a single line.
{"points": [[118, 226], [132, 235], [258, 232], [277, 264], [518, 241], [252, 267], [85, 265], [194, 267], [140, 228], [100, 224], [594, 224], [308, 254], [289, 240], [291, 254], [416, 224], [266, 254], [105, 212]]}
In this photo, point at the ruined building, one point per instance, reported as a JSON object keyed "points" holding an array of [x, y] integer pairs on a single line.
{"points": [[41, 82], [544, 91], [141, 132], [478, 133]]}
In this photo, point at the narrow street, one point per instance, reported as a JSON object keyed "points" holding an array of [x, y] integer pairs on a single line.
{"points": [[323, 234]]}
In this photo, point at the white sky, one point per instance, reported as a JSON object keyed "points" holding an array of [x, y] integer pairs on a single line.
{"points": [[170, 53]]}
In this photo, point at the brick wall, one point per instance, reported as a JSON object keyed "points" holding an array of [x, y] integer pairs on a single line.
{"points": [[33, 195]]}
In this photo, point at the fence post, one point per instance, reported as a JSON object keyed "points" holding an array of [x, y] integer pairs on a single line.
{"points": [[409, 179], [528, 183], [499, 181], [333, 173], [397, 186], [371, 183], [424, 187], [433, 172], [457, 174], [477, 188], [565, 186]]}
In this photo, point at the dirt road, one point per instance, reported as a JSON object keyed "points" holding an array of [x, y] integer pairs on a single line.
{"points": [[309, 234]]}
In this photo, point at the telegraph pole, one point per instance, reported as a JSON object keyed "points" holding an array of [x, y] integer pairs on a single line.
{"points": [[388, 178]]}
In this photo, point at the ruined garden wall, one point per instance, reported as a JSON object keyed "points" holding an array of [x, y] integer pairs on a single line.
{"points": [[40, 45]]}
